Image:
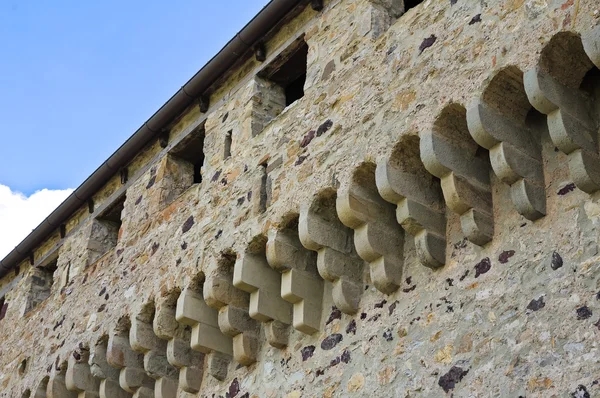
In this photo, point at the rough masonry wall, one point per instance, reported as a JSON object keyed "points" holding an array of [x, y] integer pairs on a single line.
{"points": [[480, 281]]}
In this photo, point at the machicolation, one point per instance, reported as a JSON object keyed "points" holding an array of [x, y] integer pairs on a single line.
{"points": [[369, 198]]}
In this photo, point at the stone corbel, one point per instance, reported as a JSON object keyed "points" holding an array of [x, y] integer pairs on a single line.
{"points": [[497, 122], [206, 336], [234, 319], [403, 180], [143, 340], [179, 351], [108, 375], [57, 386], [253, 275], [321, 230], [572, 113], [378, 238], [301, 284], [449, 153], [132, 376], [79, 377]]}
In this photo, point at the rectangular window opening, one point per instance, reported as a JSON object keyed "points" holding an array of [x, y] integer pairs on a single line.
{"points": [[105, 230], [288, 71], [112, 214], [42, 280], [191, 150]]}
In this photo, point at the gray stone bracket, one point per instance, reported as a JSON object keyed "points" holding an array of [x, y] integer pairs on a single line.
{"points": [[253, 275], [301, 284], [233, 319], [108, 375], [403, 180], [378, 238], [179, 351], [498, 122], [573, 114], [132, 376], [321, 230], [79, 377], [57, 385], [449, 153], [156, 365], [206, 336]]}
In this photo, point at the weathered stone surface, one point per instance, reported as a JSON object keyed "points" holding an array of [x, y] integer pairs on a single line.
{"points": [[517, 316]]}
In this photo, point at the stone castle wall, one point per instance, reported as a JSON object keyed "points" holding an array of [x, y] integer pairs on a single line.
{"points": [[422, 222]]}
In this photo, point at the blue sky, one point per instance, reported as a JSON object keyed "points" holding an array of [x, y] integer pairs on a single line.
{"points": [[77, 78]]}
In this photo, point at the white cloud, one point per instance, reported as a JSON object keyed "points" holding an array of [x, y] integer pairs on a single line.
{"points": [[20, 214]]}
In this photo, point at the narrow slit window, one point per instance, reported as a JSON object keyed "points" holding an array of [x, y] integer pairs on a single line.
{"points": [[3, 307], [288, 71], [227, 145]]}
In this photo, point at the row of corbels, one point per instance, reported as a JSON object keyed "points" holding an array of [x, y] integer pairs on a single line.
{"points": [[279, 281]]}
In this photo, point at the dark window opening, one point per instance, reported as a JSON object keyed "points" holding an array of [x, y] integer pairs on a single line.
{"points": [[408, 4], [591, 82], [42, 280], [3, 308], [289, 71], [112, 214], [295, 90], [227, 145], [191, 149], [105, 230]]}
